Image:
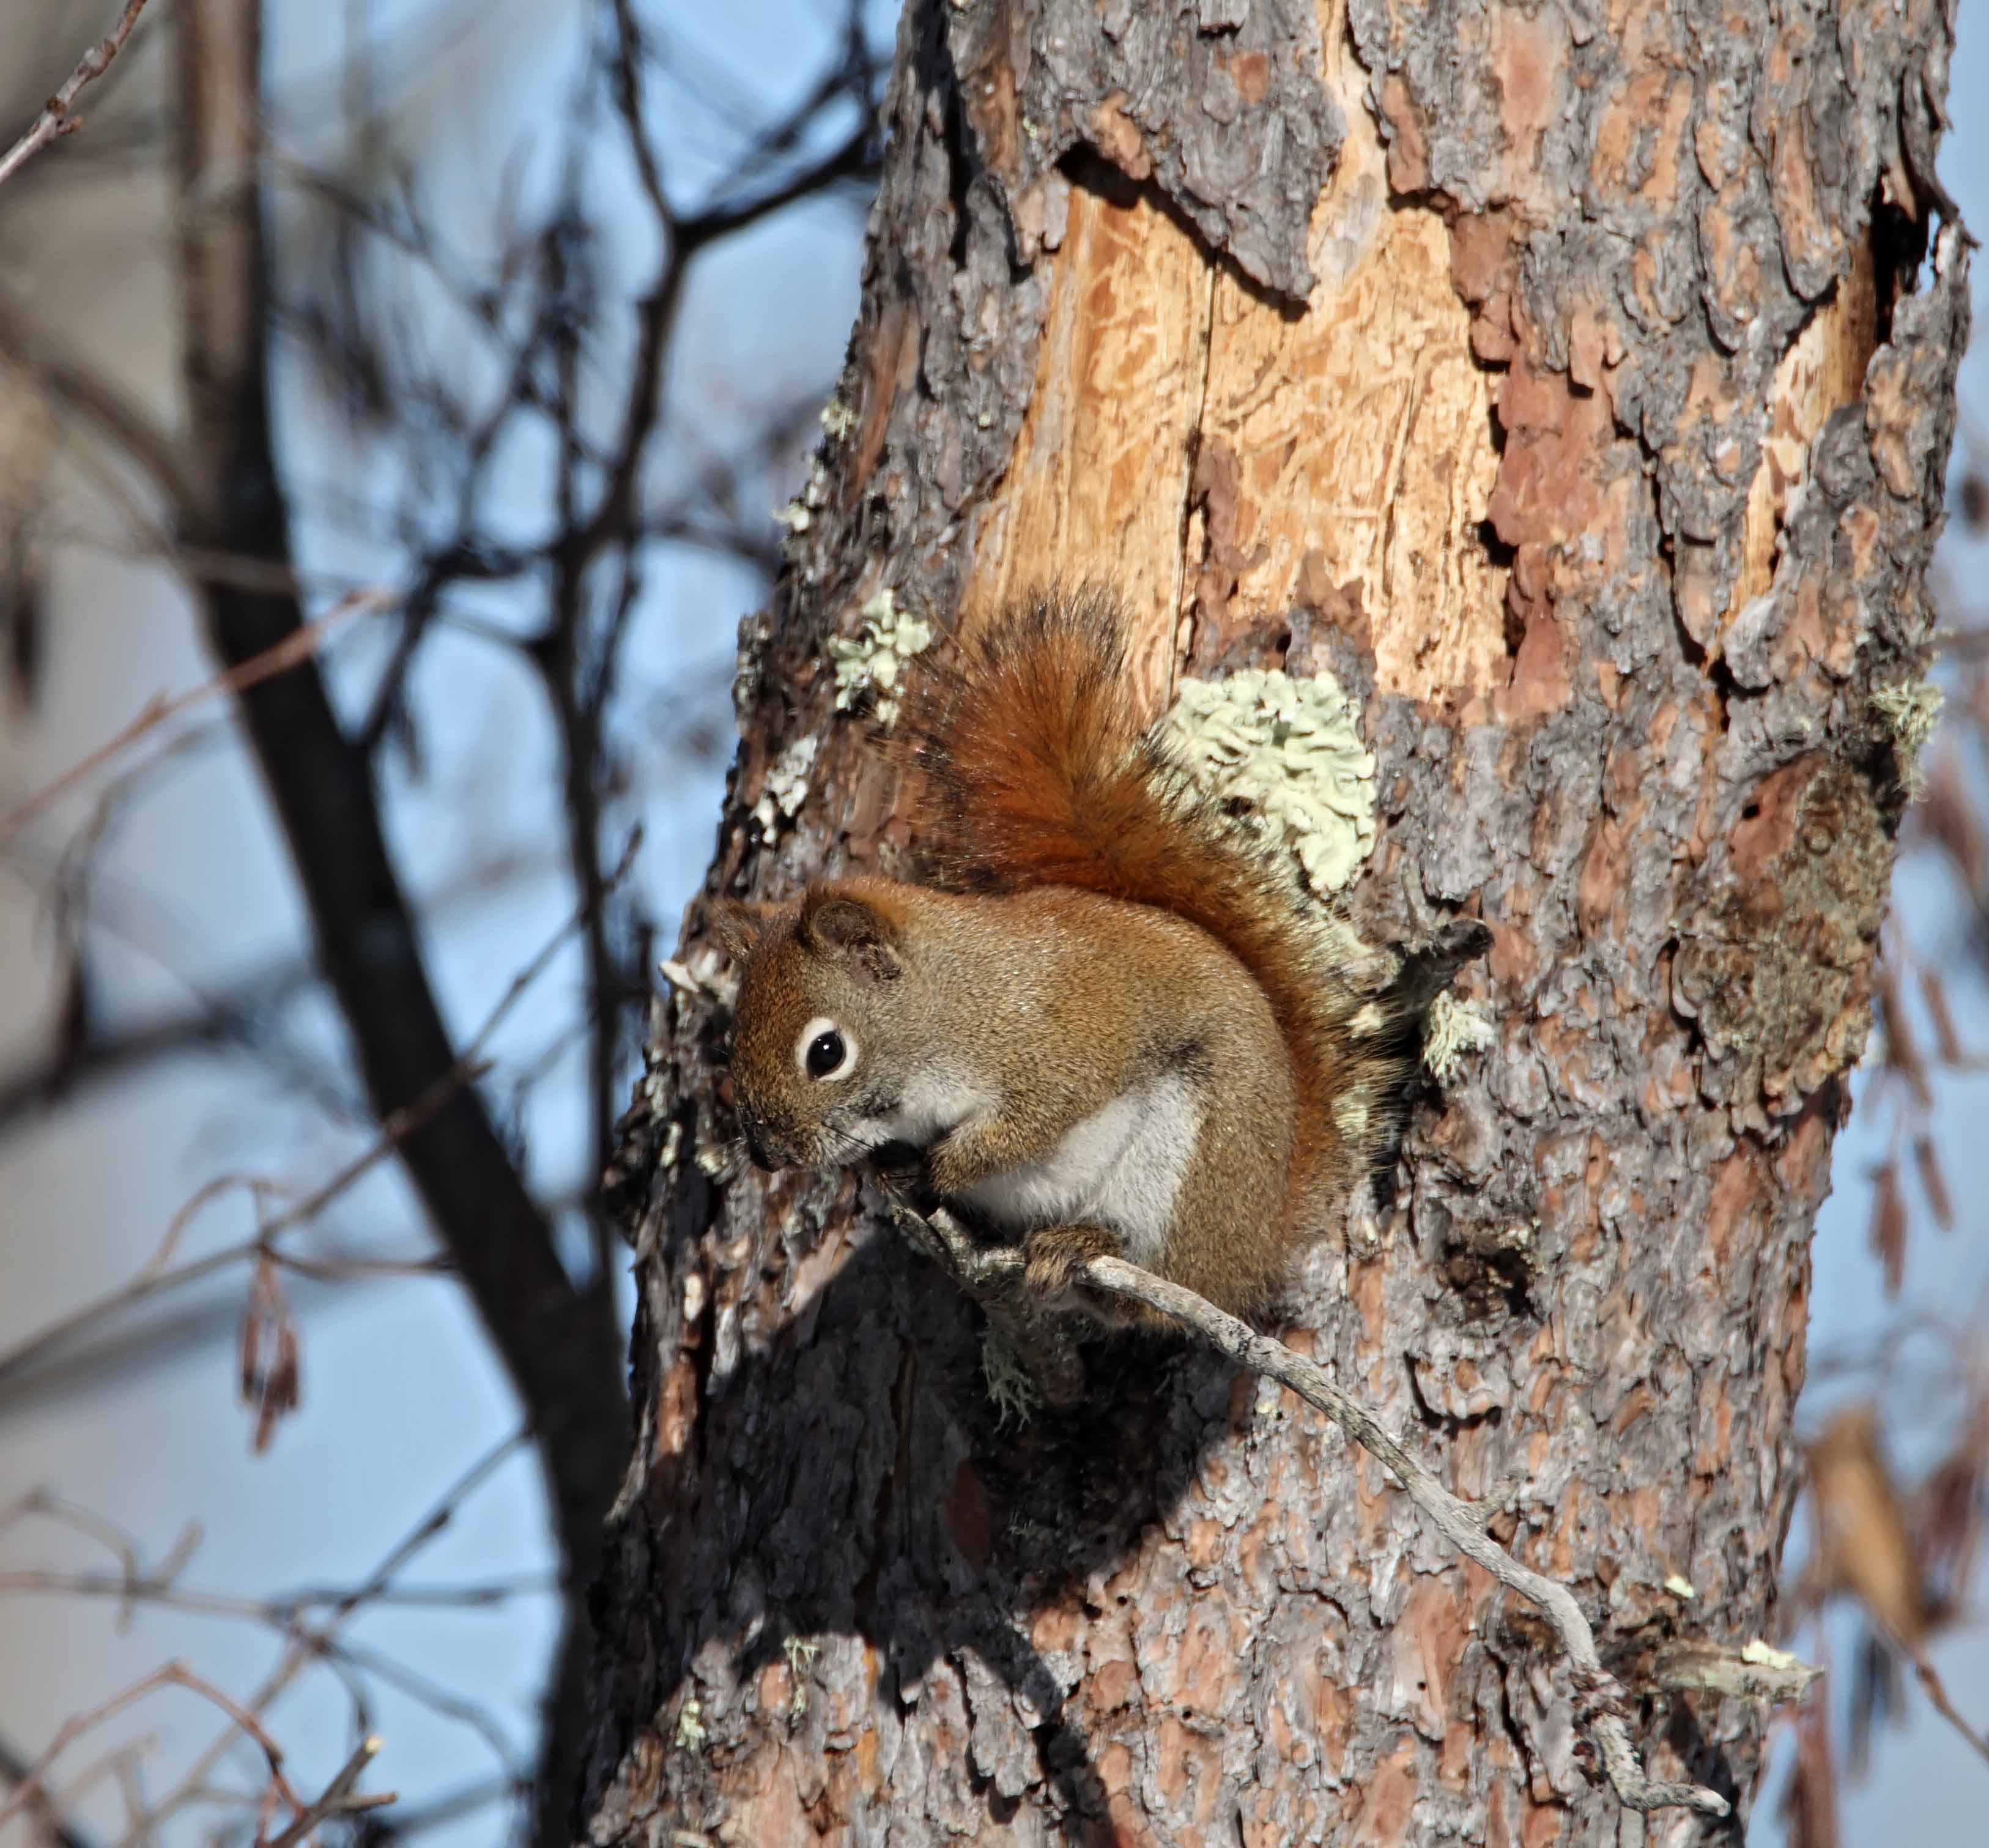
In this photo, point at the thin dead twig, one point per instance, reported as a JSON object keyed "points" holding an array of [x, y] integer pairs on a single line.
{"points": [[282, 1612], [312, 1643], [337, 1798], [46, 1811], [1598, 1696], [299, 646], [106, 1533], [394, 1129], [1937, 1692], [58, 117], [174, 1674]]}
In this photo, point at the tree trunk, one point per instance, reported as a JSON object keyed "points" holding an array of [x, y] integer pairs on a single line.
{"points": [[1569, 383]]}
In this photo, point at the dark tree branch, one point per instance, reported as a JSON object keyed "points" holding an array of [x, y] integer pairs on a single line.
{"points": [[231, 1020], [559, 1343], [14, 1770]]}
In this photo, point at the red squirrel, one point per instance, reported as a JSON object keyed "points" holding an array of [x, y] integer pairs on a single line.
{"points": [[1117, 1022]]}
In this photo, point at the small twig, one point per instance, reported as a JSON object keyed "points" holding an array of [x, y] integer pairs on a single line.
{"points": [[283, 1612], [1937, 1692], [1045, 1345], [174, 1674], [299, 645], [337, 1798], [46, 1810], [993, 1274], [313, 1642], [57, 119], [393, 1130]]}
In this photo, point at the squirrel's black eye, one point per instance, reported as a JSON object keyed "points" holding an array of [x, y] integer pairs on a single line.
{"points": [[824, 1050]]}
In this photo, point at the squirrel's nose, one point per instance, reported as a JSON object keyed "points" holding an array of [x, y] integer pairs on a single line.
{"points": [[754, 1131]]}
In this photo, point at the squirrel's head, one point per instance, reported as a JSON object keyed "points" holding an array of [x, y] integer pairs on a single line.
{"points": [[817, 1057]]}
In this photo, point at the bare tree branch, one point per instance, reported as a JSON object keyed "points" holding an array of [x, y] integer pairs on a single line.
{"points": [[336, 1798], [58, 117], [559, 1341], [1599, 1697], [15, 1768], [396, 1128], [174, 1674], [279, 657], [312, 1642]]}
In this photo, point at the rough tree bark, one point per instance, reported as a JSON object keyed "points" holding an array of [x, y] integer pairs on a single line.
{"points": [[1573, 382]]}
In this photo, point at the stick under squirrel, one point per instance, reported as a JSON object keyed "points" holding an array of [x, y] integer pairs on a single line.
{"points": [[1117, 1022]]}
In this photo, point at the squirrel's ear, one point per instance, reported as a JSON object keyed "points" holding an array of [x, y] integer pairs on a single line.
{"points": [[739, 926], [847, 931]]}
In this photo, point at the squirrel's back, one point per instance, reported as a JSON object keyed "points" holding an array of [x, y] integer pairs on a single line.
{"points": [[1039, 772]]}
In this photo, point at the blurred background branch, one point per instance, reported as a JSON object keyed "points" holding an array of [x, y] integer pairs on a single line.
{"points": [[505, 347]]}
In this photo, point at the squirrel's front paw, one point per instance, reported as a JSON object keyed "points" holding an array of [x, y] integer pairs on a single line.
{"points": [[1052, 1257], [953, 1164]]}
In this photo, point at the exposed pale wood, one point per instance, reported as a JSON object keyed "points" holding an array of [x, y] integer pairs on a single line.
{"points": [[1823, 369], [1364, 429], [1100, 484]]}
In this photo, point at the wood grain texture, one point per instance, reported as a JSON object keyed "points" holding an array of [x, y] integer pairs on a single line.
{"points": [[1099, 486], [1531, 333], [1356, 439]]}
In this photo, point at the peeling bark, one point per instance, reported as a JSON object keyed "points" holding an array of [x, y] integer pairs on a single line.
{"points": [[1568, 381]]}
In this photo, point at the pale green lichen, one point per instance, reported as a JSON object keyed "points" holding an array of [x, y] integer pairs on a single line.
{"points": [[1911, 710], [798, 515], [874, 659], [1680, 1586], [837, 420], [800, 1657], [1289, 752], [1758, 1654], [1454, 1028], [1009, 1390], [787, 785], [691, 1734]]}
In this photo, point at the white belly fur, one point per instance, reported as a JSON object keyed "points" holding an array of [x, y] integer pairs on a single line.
{"points": [[1121, 1168]]}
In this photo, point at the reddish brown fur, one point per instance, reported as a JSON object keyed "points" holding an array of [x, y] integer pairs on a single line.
{"points": [[1043, 774], [1109, 932]]}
